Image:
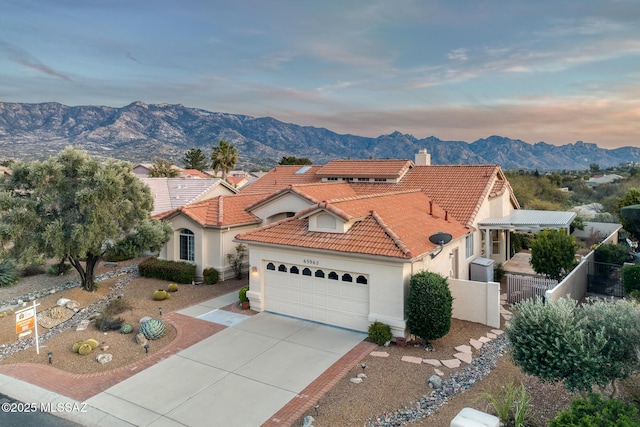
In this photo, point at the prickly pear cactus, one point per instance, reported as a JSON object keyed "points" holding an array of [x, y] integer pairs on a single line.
{"points": [[84, 349], [126, 328], [153, 329]]}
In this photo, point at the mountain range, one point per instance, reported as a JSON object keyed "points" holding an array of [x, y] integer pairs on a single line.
{"points": [[139, 132]]}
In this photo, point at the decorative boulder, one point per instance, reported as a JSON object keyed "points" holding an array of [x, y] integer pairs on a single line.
{"points": [[435, 382], [104, 358], [62, 302], [72, 304]]}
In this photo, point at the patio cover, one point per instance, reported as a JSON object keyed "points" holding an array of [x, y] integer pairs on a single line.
{"points": [[529, 221]]}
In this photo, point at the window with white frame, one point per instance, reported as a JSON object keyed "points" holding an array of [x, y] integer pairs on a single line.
{"points": [[187, 245], [496, 247], [469, 246]]}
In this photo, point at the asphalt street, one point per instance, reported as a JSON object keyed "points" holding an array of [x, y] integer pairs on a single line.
{"points": [[16, 413]]}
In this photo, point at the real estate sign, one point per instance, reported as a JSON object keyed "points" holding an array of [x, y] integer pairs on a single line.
{"points": [[25, 319]]}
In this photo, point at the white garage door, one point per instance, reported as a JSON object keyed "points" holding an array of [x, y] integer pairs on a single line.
{"points": [[333, 297]]}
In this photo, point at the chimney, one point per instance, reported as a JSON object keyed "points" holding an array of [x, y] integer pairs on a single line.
{"points": [[423, 158], [430, 207]]}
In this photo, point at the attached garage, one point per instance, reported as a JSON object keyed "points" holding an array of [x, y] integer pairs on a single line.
{"points": [[333, 297]]}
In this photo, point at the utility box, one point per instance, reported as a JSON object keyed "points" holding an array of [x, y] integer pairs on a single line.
{"points": [[469, 417], [481, 270]]}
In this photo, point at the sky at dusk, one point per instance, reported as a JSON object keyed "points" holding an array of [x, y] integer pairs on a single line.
{"points": [[554, 71]]}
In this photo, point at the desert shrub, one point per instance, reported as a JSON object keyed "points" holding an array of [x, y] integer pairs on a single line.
{"points": [[58, 269], [510, 403], [631, 277], [498, 272], [172, 271], [553, 253], [379, 332], [634, 295], [237, 260], [35, 268], [116, 306], [594, 411], [242, 294], [612, 254], [210, 276], [108, 323], [429, 306], [9, 274]]}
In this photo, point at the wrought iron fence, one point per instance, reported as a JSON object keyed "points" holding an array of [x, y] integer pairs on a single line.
{"points": [[605, 279]]}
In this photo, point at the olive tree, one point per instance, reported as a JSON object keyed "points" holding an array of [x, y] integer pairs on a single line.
{"points": [[73, 206], [429, 306], [581, 346], [553, 253]]}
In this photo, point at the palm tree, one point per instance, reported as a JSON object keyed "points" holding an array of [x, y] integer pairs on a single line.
{"points": [[224, 157]]}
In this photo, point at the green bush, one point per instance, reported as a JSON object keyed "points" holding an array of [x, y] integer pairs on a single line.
{"points": [[172, 271], [510, 403], [124, 249], [498, 272], [242, 294], [631, 278], [379, 332], [35, 268], [612, 254], [594, 411], [210, 276], [553, 253], [8, 273], [58, 269], [429, 306]]}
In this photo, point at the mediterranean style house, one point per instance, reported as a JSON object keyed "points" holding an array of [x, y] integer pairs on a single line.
{"points": [[338, 243]]}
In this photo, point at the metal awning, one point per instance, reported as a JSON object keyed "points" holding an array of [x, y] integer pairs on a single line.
{"points": [[529, 221]]}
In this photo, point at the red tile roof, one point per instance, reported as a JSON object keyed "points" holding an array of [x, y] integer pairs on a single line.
{"points": [[193, 173], [283, 176], [315, 192], [220, 211], [394, 225], [365, 168]]}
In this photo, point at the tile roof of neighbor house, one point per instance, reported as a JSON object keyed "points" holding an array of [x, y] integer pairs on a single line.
{"points": [[385, 225], [193, 173], [283, 176], [219, 211], [368, 168], [171, 193]]}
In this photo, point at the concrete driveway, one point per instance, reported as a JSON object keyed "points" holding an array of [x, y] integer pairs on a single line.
{"points": [[240, 376]]}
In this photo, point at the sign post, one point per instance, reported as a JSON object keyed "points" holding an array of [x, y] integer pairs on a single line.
{"points": [[26, 320]]}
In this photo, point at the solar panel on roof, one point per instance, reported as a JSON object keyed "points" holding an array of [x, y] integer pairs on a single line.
{"points": [[302, 170]]}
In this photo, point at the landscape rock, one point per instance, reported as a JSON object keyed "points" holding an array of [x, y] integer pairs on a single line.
{"points": [[362, 375], [104, 358], [355, 380], [72, 304], [141, 339], [435, 382], [62, 301]]}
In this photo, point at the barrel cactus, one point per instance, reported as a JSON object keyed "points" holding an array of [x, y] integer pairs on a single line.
{"points": [[160, 295], [93, 343], [76, 346], [126, 328], [153, 329], [84, 349], [172, 287]]}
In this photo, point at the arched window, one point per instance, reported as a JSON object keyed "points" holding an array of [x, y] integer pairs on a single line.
{"points": [[270, 266], [333, 275], [362, 280], [187, 245], [294, 270], [282, 268], [346, 277], [306, 272], [319, 273]]}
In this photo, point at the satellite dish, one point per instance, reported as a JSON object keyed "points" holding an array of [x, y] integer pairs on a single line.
{"points": [[440, 238]]}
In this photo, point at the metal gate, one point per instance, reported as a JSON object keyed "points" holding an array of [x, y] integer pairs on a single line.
{"points": [[604, 279]]}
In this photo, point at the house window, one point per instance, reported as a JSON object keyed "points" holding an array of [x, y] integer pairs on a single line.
{"points": [[495, 242], [187, 245], [294, 270], [282, 268], [469, 246], [332, 178], [333, 275], [347, 179], [306, 272], [363, 179], [362, 280], [270, 266], [347, 278], [320, 273], [380, 179]]}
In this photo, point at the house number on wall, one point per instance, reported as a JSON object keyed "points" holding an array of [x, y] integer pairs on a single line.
{"points": [[311, 262]]}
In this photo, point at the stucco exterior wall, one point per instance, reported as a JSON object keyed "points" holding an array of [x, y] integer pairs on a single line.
{"points": [[286, 203], [477, 302]]}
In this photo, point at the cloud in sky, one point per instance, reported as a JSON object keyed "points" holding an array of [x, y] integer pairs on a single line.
{"points": [[557, 71]]}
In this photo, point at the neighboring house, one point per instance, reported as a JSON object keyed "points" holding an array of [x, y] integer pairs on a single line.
{"points": [[171, 193], [603, 179], [338, 243], [142, 169], [193, 173]]}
